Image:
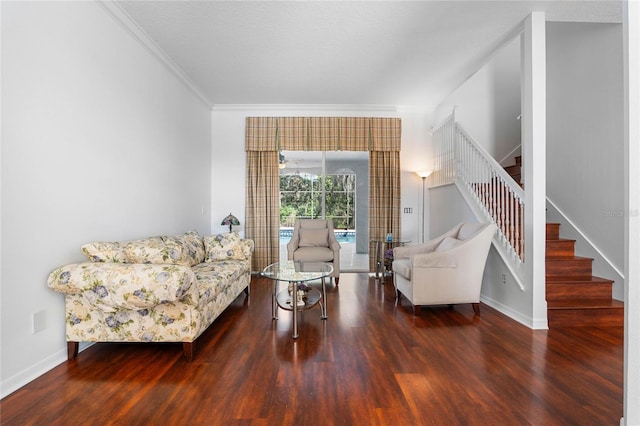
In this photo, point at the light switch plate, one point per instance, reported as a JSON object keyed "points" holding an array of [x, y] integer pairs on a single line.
{"points": [[39, 321]]}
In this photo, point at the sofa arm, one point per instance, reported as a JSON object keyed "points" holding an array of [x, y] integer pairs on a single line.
{"points": [[123, 285]]}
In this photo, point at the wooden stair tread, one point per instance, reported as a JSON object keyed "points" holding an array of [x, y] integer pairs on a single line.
{"points": [[564, 258], [585, 304], [563, 240], [515, 170], [590, 280]]}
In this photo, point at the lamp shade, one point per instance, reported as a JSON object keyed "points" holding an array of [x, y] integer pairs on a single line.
{"points": [[424, 173], [230, 220]]}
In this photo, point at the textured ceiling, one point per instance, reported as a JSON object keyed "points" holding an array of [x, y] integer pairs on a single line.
{"points": [[408, 53]]}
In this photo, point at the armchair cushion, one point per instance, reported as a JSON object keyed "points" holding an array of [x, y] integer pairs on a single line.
{"points": [[314, 238], [314, 254], [402, 267], [409, 251], [447, 244], [469, 229]]}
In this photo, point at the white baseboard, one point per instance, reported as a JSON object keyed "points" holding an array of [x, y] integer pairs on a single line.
{"points": [[15, 382], [26, 376], [534, 324]]}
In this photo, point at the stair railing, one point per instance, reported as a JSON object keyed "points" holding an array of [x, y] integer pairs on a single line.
{"points": [[444, 161], [492, 194]]}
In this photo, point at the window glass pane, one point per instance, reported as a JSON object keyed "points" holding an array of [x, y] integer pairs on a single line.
{"points": [[345, 177]]}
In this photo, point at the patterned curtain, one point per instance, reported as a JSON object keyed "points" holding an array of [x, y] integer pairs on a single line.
{"points": [[266, 136], [384, 181], [263, 207], [384, 197]]}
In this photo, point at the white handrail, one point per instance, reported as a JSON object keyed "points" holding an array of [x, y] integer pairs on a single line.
{"points": [[459, 159], [444, 153], [493, 190]]}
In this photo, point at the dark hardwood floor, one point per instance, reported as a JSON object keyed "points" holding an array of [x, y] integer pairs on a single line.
{"points": [[372, 362]]}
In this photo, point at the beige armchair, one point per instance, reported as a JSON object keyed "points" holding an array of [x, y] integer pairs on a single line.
{"points": [[446, 270], [314, 240]]}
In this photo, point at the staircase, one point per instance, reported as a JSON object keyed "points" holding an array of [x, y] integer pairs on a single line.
{"points": [[574, 296], [515, 171]]}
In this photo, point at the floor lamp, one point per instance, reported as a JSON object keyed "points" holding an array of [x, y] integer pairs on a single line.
{"points": [[423, 175]]}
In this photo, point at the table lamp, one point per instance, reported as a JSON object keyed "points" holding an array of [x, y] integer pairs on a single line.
{"points": [[230, 220]]}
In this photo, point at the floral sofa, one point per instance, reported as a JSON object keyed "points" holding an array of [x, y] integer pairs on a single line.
{"points": [[158, 289]]}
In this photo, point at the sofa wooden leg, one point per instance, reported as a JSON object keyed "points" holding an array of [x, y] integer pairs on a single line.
{"points": [[476, 308], [188, 349], [247, 291], [72, 350]]}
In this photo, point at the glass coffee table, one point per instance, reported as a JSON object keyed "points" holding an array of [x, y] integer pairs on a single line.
{"points": [[298, 296]]}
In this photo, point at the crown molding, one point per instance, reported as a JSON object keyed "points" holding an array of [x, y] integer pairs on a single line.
{"points": [[305, 107], [119, 15], [416, 109]]}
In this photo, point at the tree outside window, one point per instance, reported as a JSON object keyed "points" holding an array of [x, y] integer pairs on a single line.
{"points": [[301, 198]]}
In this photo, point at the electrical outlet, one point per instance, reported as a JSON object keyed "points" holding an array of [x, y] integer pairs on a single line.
{"points": [[39, 321], [408, 209], [503, 279]]}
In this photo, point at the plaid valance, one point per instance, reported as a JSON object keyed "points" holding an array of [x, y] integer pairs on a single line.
{"points": [[261, 134], [323, 134]]}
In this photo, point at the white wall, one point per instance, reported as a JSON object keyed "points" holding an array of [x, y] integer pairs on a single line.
{"points": [[229, 160], [585, 140], [488, 104], [447, 209], [99, 142]]}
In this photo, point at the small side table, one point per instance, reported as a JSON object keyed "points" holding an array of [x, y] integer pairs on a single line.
{"points": [[382, 245]]}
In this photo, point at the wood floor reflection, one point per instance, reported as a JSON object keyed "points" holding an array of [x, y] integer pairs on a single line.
{"points": [[371, 362]]}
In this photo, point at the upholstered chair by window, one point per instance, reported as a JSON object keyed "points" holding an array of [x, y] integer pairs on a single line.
{"points": [[314, 240]]}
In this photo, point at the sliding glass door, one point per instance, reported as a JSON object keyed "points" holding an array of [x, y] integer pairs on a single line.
{"points": [[332, 185]]}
